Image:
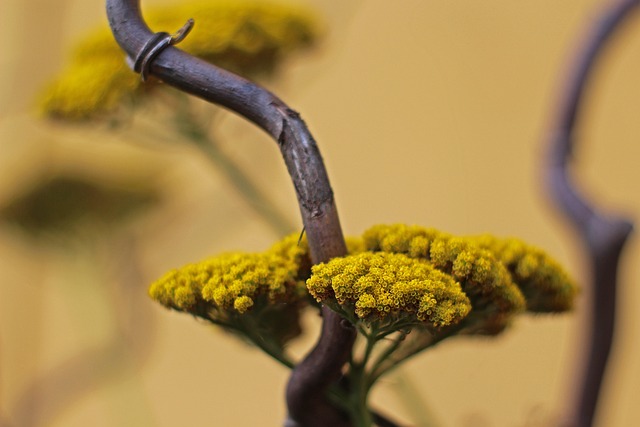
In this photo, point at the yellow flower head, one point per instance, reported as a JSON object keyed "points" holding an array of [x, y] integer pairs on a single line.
{"points": [[487, 283], [389, 288], [234, 281], [544, 283], [247, 37], [226, 288]]}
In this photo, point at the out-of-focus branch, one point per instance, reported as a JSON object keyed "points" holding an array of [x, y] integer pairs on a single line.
{"points": [[603, 235], [306, 399]]}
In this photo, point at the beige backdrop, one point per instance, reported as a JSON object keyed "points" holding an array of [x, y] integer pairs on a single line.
{"points": [[427, 112]]}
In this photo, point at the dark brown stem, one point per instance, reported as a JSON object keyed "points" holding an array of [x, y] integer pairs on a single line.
{"points": [[306, 399], [603, 236]]}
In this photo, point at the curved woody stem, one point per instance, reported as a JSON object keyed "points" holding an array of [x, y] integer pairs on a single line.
{"points": [[603, 236], [306, 399]]}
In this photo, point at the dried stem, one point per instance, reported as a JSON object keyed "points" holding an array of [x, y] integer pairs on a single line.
{"points": [[306, 399], [603, 236]]}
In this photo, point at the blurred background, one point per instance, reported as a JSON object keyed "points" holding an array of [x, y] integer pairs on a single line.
{"points": [[426, 112]]}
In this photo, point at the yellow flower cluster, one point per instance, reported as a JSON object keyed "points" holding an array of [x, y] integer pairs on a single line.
{"points": [[544, 283], [394, 278], [486, 281], [500, 276], [234, 283], [89, 87], [389, 288], [247, 37]]}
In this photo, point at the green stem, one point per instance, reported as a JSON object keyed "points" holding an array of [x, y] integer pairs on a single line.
{"points": [[384, 357], [358, 385], [268, 346], [247, 331], [359, 393], [382, 332], [271, 350], [189, 127], [381, 369], [371, 342]]}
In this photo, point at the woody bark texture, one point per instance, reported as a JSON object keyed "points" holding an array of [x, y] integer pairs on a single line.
{"points": [[603, 235], [306, 401]]}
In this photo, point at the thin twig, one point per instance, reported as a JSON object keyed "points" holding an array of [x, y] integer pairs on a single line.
{"points": [[603, 236], [306, 399]]}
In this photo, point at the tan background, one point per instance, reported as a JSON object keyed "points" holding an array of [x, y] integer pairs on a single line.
{"points": [[427, 112]]}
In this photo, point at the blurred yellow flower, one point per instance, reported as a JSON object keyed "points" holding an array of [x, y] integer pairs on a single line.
{"points": [[244, 36], [66, 205], [544, 283]]}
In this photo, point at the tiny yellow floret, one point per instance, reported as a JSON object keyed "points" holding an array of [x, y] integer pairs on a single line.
{"points": [[242, 304]]}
